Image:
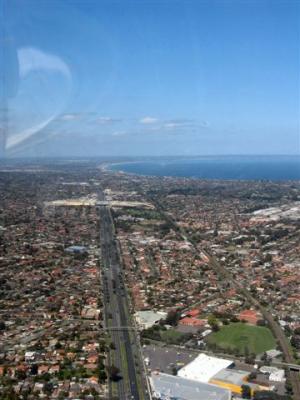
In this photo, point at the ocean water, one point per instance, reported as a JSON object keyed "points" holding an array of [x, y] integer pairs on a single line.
{"points": [[229, 167]]}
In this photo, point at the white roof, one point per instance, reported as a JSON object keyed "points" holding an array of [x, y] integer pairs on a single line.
{"points": [[273, 353], [149, 318], [29, 353], [168, 387], [266, 369], [203, 368], [277, 376]]}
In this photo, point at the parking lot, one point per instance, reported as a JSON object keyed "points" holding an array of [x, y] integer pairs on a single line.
{"points": [[166, 358]]}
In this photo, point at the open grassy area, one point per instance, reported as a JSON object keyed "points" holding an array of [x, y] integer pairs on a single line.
{"points": [[171, 336], [239, 336]]}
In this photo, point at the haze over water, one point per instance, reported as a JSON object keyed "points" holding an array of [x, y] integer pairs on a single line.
{"points": [[227, 167]]}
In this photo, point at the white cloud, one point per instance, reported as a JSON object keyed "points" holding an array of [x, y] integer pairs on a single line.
{"points": [[70, 117], [107, 120], [172, 125], [179, 123], [148, 120]]}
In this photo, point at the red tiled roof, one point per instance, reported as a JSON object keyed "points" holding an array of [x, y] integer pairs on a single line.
{"points": [[187, 321]]}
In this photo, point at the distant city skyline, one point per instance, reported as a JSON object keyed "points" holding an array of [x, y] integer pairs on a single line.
{"points": [[142, 78]]}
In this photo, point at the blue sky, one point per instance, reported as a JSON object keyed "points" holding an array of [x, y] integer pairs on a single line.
{"points": [[96, 77]]}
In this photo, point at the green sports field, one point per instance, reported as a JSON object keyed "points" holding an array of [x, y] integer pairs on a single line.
{"points": [[238, 336]]}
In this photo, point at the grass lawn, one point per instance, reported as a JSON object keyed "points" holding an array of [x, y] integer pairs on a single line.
{"points": [[171, 336], [239, 336]]}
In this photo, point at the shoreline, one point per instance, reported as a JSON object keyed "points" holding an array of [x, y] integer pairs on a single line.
{"points": [[116, 167]]}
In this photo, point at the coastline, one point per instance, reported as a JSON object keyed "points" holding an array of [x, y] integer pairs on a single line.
{"points": [[227, 168]]}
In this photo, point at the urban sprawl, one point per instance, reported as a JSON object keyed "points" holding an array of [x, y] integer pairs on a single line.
{"points": [[118, 286]]}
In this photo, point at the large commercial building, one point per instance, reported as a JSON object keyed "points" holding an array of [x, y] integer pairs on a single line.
{"points": [[204, 367], [234, 380], [146, 319], [169, 387], [218, 372]]}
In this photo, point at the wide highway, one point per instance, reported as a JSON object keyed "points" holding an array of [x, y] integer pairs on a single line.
{"points": [[116, 310]]}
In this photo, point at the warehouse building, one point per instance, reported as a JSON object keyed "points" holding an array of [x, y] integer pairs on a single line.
{"points": [[275, 374], [234, 380], [204, 367], [146, 319], [169, 387], [218, 372]]}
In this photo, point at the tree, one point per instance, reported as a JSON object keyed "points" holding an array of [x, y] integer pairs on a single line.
{"points": [[264, 357], [58, 345], [246, 392], [212, 320], [174, 371], [48, 388], [288, 387], [20, 374], [113, 372], [172, 317], [252, 375], [45, 377], [102, 375], [295, 341], [297, 331], [246, 351], [268, 395], [112, 346], [261, 322], [250, 359], [34, 369], [9, 394], [63, 395], [215, 327]]}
